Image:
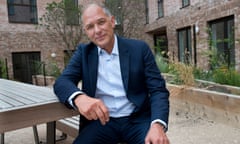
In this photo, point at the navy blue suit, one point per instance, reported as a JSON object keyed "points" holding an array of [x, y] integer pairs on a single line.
{"points": [[141, 78]]}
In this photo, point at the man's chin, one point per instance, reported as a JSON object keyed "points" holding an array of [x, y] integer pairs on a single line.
{"points": [[100, 44]]}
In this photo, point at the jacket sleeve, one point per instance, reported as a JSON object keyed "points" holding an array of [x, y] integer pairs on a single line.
{"points": [[156, 85], [67, 83]]}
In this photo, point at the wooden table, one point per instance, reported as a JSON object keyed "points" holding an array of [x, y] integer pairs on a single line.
{"points": [[23, 105]]}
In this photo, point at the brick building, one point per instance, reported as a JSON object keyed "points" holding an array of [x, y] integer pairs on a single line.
{"points": [[21, 44], [183, 27]]}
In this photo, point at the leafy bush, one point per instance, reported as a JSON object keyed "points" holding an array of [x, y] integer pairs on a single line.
{"points": [[202, 74], [162, 63], [53, 70], [226, 76]]}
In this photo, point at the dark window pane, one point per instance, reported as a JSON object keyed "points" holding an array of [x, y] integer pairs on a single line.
{"points": [[72, 13], [25, 65], [185, 3], [160, 8], [222, 38], [146, 11], [22, 11], [184, 45]]}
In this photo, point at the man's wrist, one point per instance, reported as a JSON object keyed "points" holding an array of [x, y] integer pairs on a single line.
{"points": [[73, 97], [161, 123]]}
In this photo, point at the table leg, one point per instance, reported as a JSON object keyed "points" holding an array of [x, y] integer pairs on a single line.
{"points": [[51, 132], [2, 138]]}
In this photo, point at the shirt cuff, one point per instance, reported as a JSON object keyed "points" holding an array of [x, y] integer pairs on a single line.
{"points": [[71, 98], [165, 127]]}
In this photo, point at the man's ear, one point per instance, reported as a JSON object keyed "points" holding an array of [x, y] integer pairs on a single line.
{"points": [[113, 21]]}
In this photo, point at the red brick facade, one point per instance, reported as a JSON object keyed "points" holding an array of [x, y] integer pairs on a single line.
{"points": [[16, 37], [21, 37]]}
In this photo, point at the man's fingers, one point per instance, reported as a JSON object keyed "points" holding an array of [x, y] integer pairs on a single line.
{"points": [[102, 114], [92, 108]]}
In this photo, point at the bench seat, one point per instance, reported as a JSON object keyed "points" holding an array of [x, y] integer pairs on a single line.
{"points": [[69, 126]]}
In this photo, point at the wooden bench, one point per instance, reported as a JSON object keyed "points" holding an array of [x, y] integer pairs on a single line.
{"points": [[70, 126]]}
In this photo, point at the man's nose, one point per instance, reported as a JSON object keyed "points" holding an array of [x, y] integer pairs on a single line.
{"points": [[96, 28]]}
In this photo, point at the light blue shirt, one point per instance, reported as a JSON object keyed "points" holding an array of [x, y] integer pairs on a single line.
{"points": [[110, 85]]}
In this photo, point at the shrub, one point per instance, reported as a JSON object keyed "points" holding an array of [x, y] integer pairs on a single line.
{"points": [[226, 76], [162, 63]]}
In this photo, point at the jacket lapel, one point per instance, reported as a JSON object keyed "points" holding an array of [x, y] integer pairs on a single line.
{"points": [[124, 62], [93, 68]]}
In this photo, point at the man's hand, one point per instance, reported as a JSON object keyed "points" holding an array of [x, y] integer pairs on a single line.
{"points": [[156, 135], [92, 108]]}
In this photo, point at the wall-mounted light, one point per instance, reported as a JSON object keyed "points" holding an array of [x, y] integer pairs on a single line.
{"points": [[196, 28], [53, 55]]}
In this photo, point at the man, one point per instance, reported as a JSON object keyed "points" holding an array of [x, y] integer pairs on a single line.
{"points": [[123, 96]]}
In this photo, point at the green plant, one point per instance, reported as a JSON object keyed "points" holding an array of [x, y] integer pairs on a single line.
{"points": [[162, 63], [53, 70], [3, 69], [226, 76], [202, 74]]}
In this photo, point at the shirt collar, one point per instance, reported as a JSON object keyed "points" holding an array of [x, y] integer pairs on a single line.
{"points": [[115, 48]]}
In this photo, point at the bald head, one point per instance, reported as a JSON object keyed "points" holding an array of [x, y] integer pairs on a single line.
{"points": [[93, 6]]}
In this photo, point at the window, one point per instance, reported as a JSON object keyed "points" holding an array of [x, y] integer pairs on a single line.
{"points": [[222, 38], [146, 11], [184, 45], [185, 3], [160, 8], [22, 11], [25, 65], [72, 12]]}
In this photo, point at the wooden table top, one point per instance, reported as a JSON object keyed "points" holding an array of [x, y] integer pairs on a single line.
{"points": [[23, 105]]}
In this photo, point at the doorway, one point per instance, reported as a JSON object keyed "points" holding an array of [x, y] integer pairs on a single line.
{"points": [[25, 65]]}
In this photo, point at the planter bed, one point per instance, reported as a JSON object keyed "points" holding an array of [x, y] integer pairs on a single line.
{"points": [[216, 106]]}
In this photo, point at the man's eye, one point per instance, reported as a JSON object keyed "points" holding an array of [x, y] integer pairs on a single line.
{"points": [[88, 27], [101, 22]]}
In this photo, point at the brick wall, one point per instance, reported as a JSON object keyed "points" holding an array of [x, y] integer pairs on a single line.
{"points": [[16, 37]]}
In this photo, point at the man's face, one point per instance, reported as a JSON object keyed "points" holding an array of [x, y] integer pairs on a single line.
{"points": [[99, 27]]}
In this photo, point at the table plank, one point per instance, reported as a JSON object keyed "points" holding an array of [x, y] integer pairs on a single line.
{"points": [[4, 105], [14, 95], [20, 89], [22, 100], [11, 101]]}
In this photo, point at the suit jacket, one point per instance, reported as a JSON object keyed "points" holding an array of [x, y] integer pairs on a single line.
{"points": [[141, 78]]}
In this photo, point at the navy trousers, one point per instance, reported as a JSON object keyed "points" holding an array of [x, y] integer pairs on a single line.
{"points": [[115, 131]]}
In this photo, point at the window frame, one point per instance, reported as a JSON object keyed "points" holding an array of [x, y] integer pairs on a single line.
{"points": [[29, 9], [228, 32], [147, 11], [72, 16], [185, 3], [187, 45], [160, 8]]}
